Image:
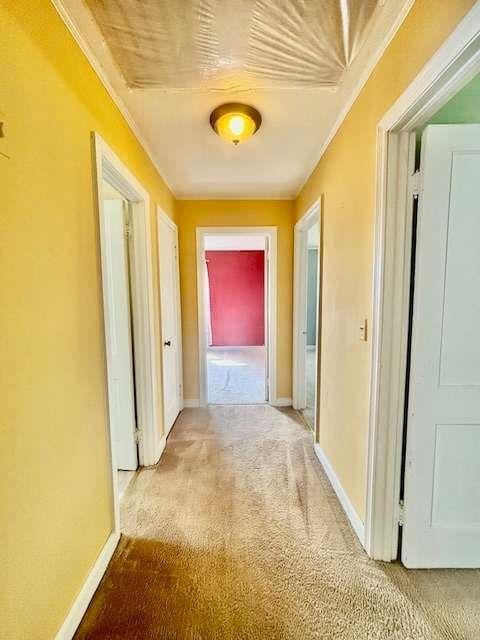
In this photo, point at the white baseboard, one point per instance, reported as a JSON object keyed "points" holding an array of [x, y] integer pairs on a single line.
{"points": [[352, 515], [161, 447], [281, 402], [76, 613], [190, 403]]}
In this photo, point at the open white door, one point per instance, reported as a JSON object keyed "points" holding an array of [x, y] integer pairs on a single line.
{"points": [[119, 334], [170, 317], [442, 469], [306, 293]]}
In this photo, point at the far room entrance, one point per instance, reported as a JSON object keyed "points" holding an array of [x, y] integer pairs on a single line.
{"points": [[235, 318], [234, 315]]}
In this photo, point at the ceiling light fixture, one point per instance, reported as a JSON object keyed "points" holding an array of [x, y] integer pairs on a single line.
{"points": [[235, 122]]}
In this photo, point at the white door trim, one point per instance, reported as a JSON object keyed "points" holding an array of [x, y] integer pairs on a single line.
{"points": [[161, 215], [271, 234], [110, 168], [452, 66], [312, 215]]}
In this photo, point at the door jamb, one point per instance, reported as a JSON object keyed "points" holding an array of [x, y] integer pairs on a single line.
{"points": [[161, 215], [455, 63], [312, 215], [271, 234], [109, 167]]}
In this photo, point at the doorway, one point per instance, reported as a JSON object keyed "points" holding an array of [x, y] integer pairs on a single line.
{"points": [[423, 475], [129, 319], [442, 398], [306, 315], [116, 223], [236, 297]]}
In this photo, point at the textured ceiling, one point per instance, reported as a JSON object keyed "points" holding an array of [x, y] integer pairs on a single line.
{"points": [[232, 45]]}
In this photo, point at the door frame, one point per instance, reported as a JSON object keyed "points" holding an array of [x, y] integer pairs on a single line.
{"points": [[110, 168], [454, 64], [300, 231], [161, 215], [271, 306]]}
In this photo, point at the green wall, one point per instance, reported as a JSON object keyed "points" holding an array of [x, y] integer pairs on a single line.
{"points": [[463, 108]]}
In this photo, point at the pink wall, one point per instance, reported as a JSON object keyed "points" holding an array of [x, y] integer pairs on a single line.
{"points": [[236, 281]]}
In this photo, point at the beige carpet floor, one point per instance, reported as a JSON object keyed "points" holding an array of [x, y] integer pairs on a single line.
{"points": [[236, 376], [236, 534]]}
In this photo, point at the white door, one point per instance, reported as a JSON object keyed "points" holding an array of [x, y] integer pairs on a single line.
{"points": [[442, 470], [300, 321], [306, 313], [170, 318], [119, 334]]}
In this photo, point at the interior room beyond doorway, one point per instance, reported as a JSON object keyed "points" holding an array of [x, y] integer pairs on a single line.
{"points": [[235, 315]]}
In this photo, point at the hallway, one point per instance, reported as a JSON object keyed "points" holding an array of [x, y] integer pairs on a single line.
{"points": [[237, 534], [212, 238]]}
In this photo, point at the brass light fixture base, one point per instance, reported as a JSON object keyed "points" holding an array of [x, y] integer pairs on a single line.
{"points": [[235, 121]]}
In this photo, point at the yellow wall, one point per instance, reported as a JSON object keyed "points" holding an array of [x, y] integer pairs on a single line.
{"points": [[235, 213], [55, 490], [345, 177]]}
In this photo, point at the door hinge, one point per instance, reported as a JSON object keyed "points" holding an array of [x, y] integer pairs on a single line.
{"points": [[401, 513], [138, 435], [128, 229], [415, 184]]}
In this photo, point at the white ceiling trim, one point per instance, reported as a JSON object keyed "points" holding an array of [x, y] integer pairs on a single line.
{"points": [[102, 74]]}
